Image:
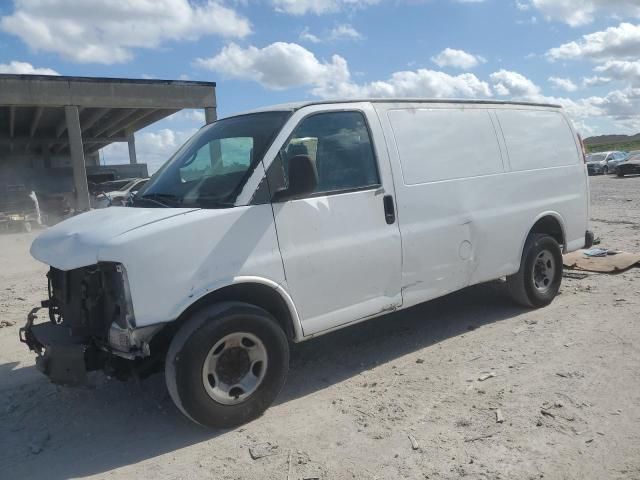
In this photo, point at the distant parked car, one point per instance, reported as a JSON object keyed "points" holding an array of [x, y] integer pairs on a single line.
{"points": [[603, 163], [108, 186], [121, 195], [629, 167]]}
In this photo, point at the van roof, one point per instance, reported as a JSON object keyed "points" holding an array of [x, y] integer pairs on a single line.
{"points": [[293, 106]]}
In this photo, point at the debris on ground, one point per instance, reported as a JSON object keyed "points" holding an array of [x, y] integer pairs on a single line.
{"points": [[598, 252], [262, 450], [481, 437], [414, 442], [608, 263], [499, 416], [570, 374], [7, 323], [486, 376], [574, 275]]}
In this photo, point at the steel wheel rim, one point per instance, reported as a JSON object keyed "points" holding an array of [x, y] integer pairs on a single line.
{"points": [[234, 368], [544, 271]]}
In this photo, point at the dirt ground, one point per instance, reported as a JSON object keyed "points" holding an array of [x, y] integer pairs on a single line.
{"points": [[396, 397]]}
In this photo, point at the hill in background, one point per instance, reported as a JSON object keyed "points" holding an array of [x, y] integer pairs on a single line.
{"points": [[603, 143]]}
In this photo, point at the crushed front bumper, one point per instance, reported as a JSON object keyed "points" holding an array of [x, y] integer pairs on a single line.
{"points": [[62, 356]]}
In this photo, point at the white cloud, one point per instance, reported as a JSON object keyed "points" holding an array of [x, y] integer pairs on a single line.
{"points": [[513, 84], [190, 115], [582, 12], [596, 81], [450, 57], [319, 7], [620, 104], [277, 66], [565, 84], [344, 32], [152, 148], [284, 65], [25, 68], [307, 36], [518, 87], [417, 83], [96, 31], [614, 43], [621, 70]]}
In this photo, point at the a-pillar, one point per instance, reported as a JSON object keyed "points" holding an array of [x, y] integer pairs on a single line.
{"points": [[74, 132]]}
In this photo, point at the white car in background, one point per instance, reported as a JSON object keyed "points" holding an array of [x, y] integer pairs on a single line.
{"points": [[121, 196]]}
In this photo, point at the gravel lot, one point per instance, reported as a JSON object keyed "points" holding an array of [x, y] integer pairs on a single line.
{"points": [[397, 397]]}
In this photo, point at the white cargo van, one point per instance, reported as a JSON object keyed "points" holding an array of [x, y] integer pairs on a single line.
{"points": [[288, 222]]}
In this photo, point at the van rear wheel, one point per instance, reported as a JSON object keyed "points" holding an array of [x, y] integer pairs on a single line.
{"points": [[227, 364], [538, 281]]}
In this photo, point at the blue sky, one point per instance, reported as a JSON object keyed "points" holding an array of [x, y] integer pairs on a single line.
{"points": [[584, 54]]}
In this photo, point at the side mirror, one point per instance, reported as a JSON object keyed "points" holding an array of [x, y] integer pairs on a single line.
{"points": [[303, 178]]}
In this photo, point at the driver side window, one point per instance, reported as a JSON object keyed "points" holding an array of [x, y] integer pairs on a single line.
{"points": [[340, 149]]}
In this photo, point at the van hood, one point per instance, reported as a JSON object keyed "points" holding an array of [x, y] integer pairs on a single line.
{"points": [[76, 242]]}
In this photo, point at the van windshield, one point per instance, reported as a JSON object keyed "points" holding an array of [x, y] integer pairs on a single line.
{"points": [[209, 170]]}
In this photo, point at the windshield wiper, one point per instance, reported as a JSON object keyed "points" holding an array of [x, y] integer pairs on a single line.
{"points": [[160, 199]]}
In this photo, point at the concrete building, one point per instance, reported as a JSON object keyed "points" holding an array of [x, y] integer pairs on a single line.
{"points": [[52, 127]]}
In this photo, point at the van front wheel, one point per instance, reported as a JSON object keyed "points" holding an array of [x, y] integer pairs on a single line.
{"points": [[538, 281], [227, 364]]}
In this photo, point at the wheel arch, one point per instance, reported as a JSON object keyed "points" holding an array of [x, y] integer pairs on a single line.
{"points": [[257, 291], [550, 223]]}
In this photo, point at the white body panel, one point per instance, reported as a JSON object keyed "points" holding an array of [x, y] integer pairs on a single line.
{"points": [[334, 247], [341, 259], [170, 263], [468, 181], [464, 208]]}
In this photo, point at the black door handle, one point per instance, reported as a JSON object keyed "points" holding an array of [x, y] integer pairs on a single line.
{"points": [[389, 209]]}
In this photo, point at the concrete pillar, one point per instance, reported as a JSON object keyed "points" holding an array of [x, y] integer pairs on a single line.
{"points": [[45, 161], [92, 159], [131, 141], [72, 117], [210, 115]]}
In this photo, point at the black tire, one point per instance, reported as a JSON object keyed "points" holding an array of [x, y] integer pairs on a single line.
{"points": [[605, 170], [522, 285], [193, 343], [620, 174]]}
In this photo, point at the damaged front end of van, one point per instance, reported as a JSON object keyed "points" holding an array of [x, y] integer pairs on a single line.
{"points": [[87, 321], [90, 325]]}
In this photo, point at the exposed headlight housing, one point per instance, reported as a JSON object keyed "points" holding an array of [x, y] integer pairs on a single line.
{"points": [[123, 319]]}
